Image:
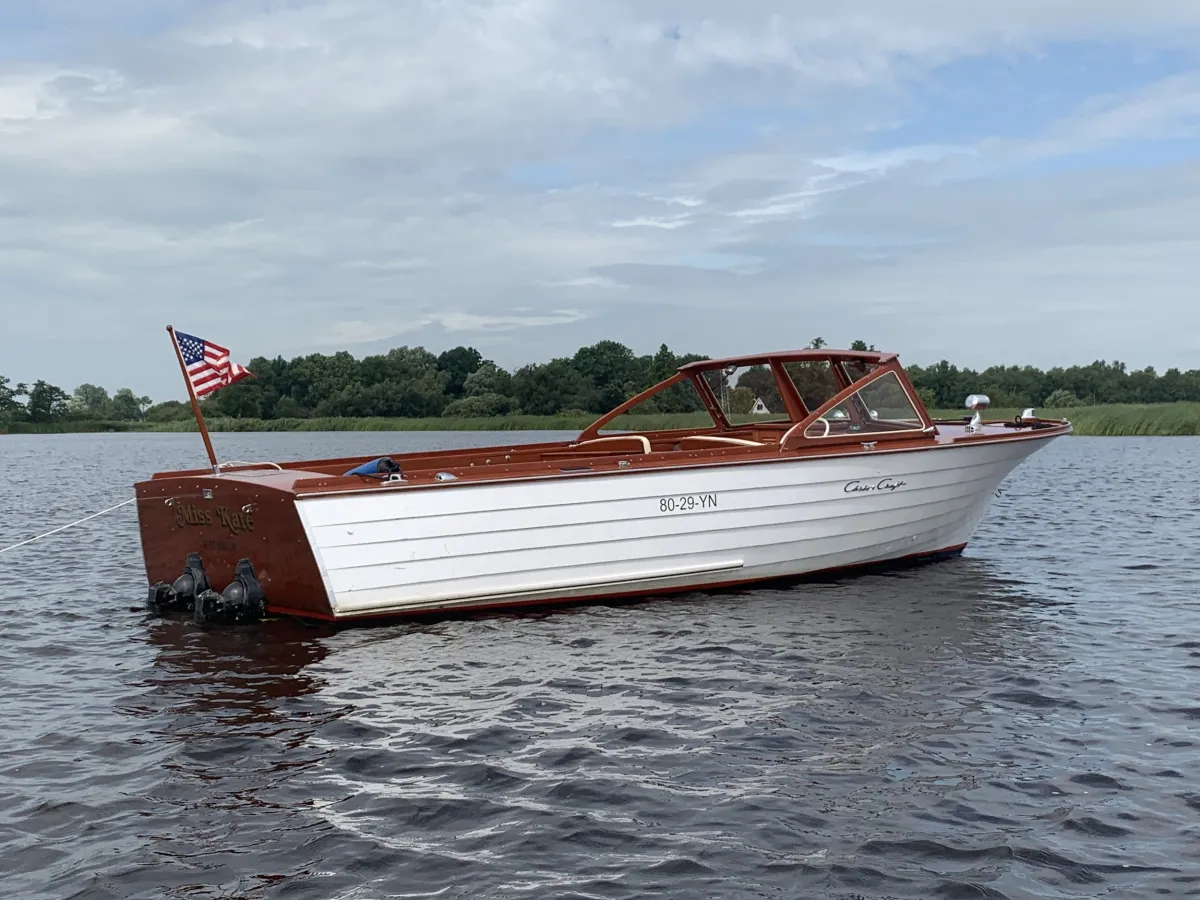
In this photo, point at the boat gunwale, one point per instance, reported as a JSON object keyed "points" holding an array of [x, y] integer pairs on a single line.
{"points": [[720, 458]]}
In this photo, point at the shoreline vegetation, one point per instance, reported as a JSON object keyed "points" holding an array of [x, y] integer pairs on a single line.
{"points": [[413, 389], [1107, 420]]}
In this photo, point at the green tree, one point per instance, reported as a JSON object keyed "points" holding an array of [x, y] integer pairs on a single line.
{"points": [[411, 397], [316, 378], [47, 402], [760, 380], [661, 366], [741, 400], [608, 365], [1062, 399], [543, 390], [489, 378], [240, 400], [289, 408], [406, 381], [270, 385], [398, 364], [949, 386], [90, 400], [1170, 387], [11, 409], [479, 406], [664, 364], [127, 407], [814, 381], [458, 364], [169, 411], [411, 381]]}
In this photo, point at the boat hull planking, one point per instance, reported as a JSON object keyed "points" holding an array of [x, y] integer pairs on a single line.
{"points": [[569, 538]]}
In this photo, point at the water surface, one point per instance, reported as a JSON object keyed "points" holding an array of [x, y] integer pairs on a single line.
{"points": [[1020, 723]]}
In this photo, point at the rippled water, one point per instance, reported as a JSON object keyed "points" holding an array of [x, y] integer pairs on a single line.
{"points": [[1020, 723]]}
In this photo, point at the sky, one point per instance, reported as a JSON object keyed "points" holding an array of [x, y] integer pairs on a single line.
{"points": [[1011, 182]]}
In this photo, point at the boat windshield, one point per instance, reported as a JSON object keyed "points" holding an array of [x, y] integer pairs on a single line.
{"points": [[763, 393], [878, 407]]}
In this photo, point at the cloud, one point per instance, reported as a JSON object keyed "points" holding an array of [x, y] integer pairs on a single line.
{"points": [[372, 331], [669, 223], [386, 267], [528, 175], [1166, 108], [585, 281]]}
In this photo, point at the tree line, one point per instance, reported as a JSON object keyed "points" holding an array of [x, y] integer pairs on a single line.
{"points": [[412, 382], [45, 402]]}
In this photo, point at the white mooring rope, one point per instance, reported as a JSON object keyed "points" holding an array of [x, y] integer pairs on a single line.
{"points": [[71, 525]]}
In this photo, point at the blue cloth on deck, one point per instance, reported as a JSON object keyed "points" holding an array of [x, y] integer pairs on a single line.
{"points": [[382, 466]]}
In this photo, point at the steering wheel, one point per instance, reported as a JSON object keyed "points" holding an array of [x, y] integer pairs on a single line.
{"points": [[824, 422]]}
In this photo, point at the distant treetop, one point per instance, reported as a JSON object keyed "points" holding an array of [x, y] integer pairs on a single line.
{"points": [[413, 382]]}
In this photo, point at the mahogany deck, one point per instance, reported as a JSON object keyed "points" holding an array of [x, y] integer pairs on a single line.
{"points": [[563, 459]]}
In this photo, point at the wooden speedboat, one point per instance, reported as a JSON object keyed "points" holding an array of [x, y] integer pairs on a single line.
{"points": [[837, 464]]}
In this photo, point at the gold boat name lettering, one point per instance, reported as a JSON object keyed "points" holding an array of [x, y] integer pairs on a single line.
{"points": [[237, 521]]}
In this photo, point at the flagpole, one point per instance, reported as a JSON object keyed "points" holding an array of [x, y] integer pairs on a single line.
{"points": [[212, 457]]}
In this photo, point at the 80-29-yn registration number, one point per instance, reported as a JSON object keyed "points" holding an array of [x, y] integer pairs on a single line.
{"points": [[687, 503]]}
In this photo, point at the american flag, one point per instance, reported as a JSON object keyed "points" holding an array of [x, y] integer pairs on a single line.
{"points": [[208, 365]]}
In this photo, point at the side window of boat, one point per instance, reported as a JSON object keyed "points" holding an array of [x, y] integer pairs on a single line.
{"points": [[679, 406], [815, 381], [879, 407], [856, 369], [749, 395]]}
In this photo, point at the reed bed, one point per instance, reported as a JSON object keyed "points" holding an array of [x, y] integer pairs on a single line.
{"points": [[1161, 419], [1113, 420]]}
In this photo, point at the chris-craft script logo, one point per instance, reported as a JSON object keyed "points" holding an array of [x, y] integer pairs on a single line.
{"points": [[887, 485], [236, 521]]}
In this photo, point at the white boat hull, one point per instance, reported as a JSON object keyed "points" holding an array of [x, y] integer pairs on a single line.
{"points": [[637, 532]]}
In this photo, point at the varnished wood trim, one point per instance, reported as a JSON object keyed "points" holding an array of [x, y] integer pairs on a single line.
{"points": [[717, 458], [641, 440]]}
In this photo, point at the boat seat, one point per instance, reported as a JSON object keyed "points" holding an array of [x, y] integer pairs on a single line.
{"points": [[635, 442], [704, 441]]}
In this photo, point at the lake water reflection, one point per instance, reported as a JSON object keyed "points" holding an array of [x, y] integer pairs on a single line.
{"points": [[1019, 723]]}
